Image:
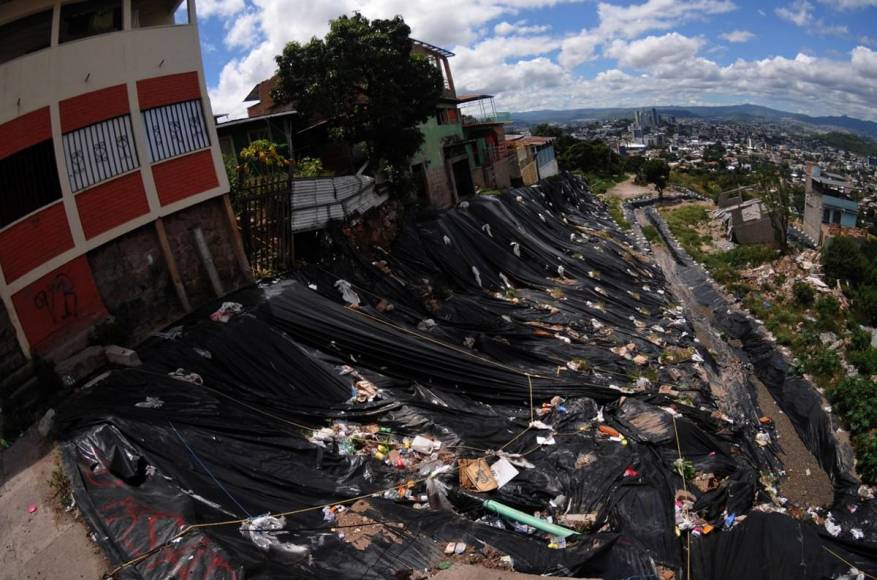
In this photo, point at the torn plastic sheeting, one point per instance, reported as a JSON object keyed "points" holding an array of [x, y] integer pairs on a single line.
{"points": [[273, 381], [795, 396]]}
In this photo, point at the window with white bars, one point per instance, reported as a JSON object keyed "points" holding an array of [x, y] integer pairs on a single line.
{"points": [[100, 152], [175, 129]]}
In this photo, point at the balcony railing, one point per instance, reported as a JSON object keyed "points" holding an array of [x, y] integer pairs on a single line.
{"points": [[480, 109], [490, 118]]}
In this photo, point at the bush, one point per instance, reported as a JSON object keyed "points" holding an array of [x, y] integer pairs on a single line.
{"points": [[842, 259], [865, 446], [861, 338], [865, 305], [309, 167], [824, 363], [855, 399], [865, 360], [652, 235], [828, 311], [614, 206], [804, 294]]}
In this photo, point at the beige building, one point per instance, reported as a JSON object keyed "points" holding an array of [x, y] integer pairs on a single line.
{"points": [[112, 180]]}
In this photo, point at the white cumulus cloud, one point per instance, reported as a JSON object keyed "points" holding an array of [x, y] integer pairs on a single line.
{"points": [[530, 66], [738, 36]]}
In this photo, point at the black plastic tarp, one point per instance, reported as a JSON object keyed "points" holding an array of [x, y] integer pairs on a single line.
{"points": [[477, 318]]}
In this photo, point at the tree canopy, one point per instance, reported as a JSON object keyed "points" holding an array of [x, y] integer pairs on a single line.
{"points": [[364, 80], [658, 172], [776, 195]]}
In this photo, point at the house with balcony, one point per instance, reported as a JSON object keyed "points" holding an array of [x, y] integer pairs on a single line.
{"points": [[113, 190], [533, 157], [463, 148], [829, 204]]}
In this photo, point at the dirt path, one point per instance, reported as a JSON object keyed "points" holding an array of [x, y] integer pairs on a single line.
{"points": [[627, 189], [805, 483], [48, 543]]}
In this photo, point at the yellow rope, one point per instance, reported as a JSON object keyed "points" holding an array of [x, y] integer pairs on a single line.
{"points": [[685, 487], [688, 555], [193, 527], [839, 557], [530, 381], [518, 436], [679, 449]]}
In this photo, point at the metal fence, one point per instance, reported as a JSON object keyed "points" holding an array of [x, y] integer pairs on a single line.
{"points": [[264, 209]]}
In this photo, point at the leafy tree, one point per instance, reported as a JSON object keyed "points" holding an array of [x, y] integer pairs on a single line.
{"points": [[261, 158], [363, 78], [658, 172], [843, 260], [546, 130], [634, 164], [776, 196], [562, 141], [593, 157], [309, 167], [714, 152]]}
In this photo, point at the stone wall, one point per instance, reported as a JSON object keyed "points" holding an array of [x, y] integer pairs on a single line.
{"points": [[441, 195], [378, 227], [211, 218], [135, 283]]}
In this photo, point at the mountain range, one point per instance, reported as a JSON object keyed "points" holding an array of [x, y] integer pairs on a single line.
{"points": [[746, 113]]}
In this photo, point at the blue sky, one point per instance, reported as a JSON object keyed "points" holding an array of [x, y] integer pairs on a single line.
{"points": [[810, 56]]}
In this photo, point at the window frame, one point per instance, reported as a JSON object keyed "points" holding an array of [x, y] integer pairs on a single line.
{"points": [[59, 32], [188, 22], [51, 12]]}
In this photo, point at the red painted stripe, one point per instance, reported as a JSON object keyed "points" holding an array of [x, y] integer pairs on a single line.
{"points": [[166, 90], [112, 204], [94, 107], [25, 131]]}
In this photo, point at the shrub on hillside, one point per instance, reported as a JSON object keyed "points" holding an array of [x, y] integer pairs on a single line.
{"points": [[823, 363], [804, 294], [865, 305], [842, 259]]}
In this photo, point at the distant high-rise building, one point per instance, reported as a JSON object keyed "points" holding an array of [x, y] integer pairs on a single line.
{"points": [[656, 121]]}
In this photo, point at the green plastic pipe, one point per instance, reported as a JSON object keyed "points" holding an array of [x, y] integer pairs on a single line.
{"points": [[523, 518]]}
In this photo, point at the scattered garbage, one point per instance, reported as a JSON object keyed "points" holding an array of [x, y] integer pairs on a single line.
{"points": [[347, 293], [476, 474], [539, 364], [182, 375], [150, 403], [226, 312], [503, 472]]}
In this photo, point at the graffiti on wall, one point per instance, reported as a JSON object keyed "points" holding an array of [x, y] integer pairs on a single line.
{"points": [[58, 305], [59, 299]]}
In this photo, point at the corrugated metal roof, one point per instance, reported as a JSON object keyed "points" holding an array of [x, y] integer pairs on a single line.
{"points": [[316, 202]]}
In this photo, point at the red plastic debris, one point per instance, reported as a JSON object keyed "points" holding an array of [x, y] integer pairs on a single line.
{"points": [[631, 472], [32, 508]]}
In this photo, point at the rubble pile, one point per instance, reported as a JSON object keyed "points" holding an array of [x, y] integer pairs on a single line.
{"points": [[804, 267], [510, 385]]}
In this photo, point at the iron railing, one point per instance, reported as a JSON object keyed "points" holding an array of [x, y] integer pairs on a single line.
{"points": [[264, 209]]}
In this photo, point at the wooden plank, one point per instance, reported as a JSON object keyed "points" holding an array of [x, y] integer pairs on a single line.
{"points": [[236, 242], [207, 258], [172, 265]]}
